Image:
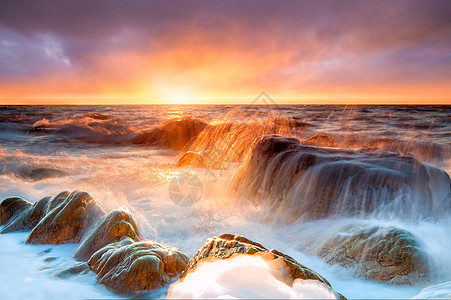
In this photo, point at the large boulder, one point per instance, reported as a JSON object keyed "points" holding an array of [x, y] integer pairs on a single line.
{"points": [[127, 267], [385, 254], [227, 245], [294, 180], [68, 221], [111, 228], [30, 216]]}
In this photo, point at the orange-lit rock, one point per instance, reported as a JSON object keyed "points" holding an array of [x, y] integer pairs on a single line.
{"points": [[174, 133], [68, 221], [127, 267], [111, 228]]}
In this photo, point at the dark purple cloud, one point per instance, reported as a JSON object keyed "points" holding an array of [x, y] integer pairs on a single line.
{"points": [[333, 41]]}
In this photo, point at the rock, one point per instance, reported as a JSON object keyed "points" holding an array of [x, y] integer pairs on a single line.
{"points": [[194, 159], [78, 269], [385, 254], [321, 140], [127, 267], [29, 217], [67, 222], [110, 228], [295, 181], [226, 245], [37, 174], [174, 133], [11, 208], [203, 159]]}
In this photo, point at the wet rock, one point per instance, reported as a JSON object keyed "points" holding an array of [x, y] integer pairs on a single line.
{"points": [[203, 159], [110, 228], [127, 267], [68, 221], [226, 245], [321, 140], [293, 181], [11, 208], [78, 269], [37, 174], [50, 259], [29, 217], [174, 133], [385, 254]]}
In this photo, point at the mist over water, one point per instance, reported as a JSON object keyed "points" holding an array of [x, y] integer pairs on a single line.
{"points": [[47, 149]]}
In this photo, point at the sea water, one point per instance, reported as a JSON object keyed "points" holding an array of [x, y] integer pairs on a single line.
{"points": [[47, 149]]}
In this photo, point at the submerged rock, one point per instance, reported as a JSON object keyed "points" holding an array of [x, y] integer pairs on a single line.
{"points": [[67, 222], [37, 174], [126, 267], [111, 228], [226, 245], [11, 207], [30, 216], [78, 269], [174, 133], [294, 180], [385, 254]]}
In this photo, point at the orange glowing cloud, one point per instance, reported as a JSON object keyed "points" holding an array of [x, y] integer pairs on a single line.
{"points": [[298, 52]]}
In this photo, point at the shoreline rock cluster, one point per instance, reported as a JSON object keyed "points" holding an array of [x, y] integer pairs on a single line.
{"points": [[110, 244]]}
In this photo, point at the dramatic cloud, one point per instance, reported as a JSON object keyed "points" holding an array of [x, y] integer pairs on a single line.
{"points": [[156, 50]]}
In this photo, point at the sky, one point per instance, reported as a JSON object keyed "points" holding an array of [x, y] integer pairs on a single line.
{"points": [[306, 52]]}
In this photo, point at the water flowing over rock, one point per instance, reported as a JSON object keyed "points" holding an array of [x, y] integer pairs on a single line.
{"points": [[11, 207], [111, 228], [30, 216], [294, 180], [174, 133], [226, 245], [385, 254], [203, 159], [68, 221], [127, 267]]}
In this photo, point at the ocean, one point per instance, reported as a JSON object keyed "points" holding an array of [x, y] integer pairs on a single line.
{"points": [[128, 156]]}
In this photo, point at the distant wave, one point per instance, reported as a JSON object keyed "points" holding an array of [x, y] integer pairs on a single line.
{"points": [[89, 128]]}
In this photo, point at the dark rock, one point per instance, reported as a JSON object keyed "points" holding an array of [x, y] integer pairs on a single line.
{"points": [[50, 259], [42, 173], [226, 245], [127, 267], [384, 254], [78, 269], [11, 207], [28, 218], [110, 228], [295, 180], [67, 222]]}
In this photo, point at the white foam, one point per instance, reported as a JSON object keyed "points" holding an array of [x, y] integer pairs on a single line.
{"points": [[438, 291], [244, 276], [27, 275]]}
